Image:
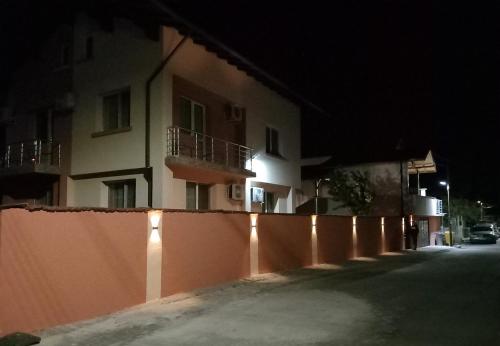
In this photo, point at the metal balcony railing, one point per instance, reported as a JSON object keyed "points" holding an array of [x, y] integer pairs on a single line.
{"points": [[187, 143], [35, 152]]}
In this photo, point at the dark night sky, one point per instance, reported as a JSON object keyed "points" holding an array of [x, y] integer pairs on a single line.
{"points": [[422, 71]]}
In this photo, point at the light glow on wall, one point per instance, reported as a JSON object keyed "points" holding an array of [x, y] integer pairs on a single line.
{"points": [[382, 230], [253, 220], [402, 233], [354, 238], [259, 167], [254, 245], [155, 236], [314, 240], [154, 255], [154, 219]]}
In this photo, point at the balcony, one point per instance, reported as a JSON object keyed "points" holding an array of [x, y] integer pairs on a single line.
{"points": [[425, 206], [34, 156], [199, 157]]}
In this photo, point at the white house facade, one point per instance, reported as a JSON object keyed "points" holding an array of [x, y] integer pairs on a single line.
{"points": [[163, 122]]}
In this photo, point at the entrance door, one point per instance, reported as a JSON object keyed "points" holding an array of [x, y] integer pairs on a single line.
{"points": [[423, 234], [192, 120]]}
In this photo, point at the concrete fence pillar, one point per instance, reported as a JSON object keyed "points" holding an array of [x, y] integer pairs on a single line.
{"points": [[254, 245], [382, 234], [314, 240], [154, 255], [354, 238], [403, 233]]}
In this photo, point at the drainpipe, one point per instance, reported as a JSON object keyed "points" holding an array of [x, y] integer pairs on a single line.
{"points": [[156, 72], [402, 189]]}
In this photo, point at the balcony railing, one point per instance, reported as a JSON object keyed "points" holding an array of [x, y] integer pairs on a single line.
{"points": [[425, 205], [186, 143], [31, 153]]}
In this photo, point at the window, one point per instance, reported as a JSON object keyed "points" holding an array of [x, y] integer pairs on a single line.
{"points": [[116, 110], [192, 115], [196, 196], [121, 194], [89, 48], [272, 141], [269, 202]]}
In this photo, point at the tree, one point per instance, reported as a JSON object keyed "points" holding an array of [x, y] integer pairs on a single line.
{"points": [[467, 209], [353, 189]]}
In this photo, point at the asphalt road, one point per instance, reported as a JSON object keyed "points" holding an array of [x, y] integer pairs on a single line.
{"points": [[434, 296]]}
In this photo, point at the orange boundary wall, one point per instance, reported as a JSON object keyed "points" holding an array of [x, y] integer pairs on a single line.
{"points": [[335, 244], [284, 242], [60, 266], [369, 231], [393, 234], [204, 249], [57, 268]]}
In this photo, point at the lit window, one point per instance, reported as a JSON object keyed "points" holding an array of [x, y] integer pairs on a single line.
{"points": [[121, 194], [116, 110], [272, 141]]}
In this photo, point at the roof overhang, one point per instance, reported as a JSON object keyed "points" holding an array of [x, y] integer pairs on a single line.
{"points": [[164, 14], [419, 166]]}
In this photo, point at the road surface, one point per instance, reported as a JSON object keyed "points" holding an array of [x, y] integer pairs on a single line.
{"points": [[434, 296]]}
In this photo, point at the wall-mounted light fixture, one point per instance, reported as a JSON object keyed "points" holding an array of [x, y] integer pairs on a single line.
{"points": [[382, 231], [354, 238], [254, 245], [314, 240], [154, 219]]}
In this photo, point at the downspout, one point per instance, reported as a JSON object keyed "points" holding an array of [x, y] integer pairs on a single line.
{"points": [[402, 189], [147, 164]]}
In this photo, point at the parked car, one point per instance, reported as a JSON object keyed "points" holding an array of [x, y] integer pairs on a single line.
{"points": [[484, 233]]}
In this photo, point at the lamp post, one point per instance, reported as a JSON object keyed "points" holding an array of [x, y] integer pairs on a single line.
{"points": [[483, 206], [317, 184], [445, 183]]}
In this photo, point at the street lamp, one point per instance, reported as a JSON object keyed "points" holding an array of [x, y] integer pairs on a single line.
{"points": [[483, 206], [445, 183], [317, 184]]}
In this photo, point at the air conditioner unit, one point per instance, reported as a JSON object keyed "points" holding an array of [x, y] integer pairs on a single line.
{"points": [[66, 101], [6, 115], [236, 192], [257, 194], [235, 113]]}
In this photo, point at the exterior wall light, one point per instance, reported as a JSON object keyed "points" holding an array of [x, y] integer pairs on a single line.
{"points": [[254, 245], [154, 219], [314, 240], [154, 255], [354, 238], [382, 232]]}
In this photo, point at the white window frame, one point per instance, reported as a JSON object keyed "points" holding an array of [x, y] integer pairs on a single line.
{"points": [[272, 151], [192, 120], [196, 195], [120, 120], [125, 183]]}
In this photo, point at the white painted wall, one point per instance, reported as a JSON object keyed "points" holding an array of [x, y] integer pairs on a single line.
{"points": [[122, 58], [94, 192], [264, 107], [126, 58]]}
